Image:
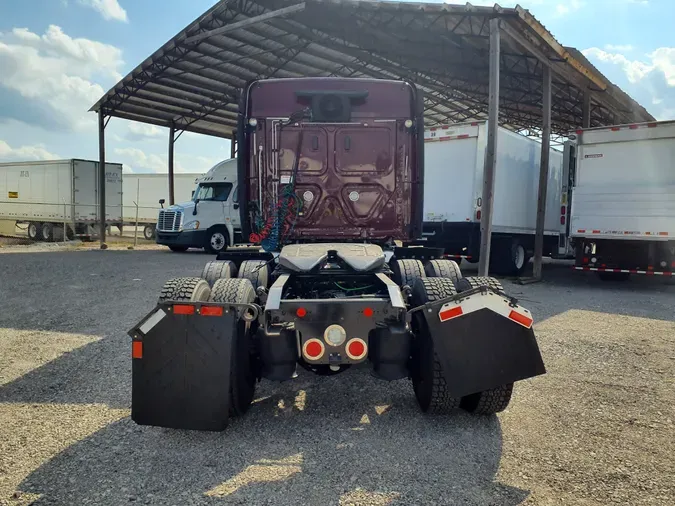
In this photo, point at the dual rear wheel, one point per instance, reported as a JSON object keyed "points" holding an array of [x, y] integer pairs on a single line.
{"points": [[443, 279], [243, 364]]}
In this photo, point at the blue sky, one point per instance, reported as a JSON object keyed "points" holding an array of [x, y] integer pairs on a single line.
{"points": [[57, 57]]}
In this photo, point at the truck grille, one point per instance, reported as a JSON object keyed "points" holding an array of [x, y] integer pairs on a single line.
{"points": [[169, 221]]}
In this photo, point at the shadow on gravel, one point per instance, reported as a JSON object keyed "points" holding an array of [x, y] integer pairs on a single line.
{"points": [[310, 441], [97, 373]]}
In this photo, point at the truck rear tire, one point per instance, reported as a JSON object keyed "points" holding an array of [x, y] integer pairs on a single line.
{"points": [[256, 271], [149, 232], [217, 240], [509, 257], [218, 269], [443, 269], [488, 402], [186, 290], [426, 369], [243, 365], [34, 230], [407, 271], [466, 284], [47, 232]]}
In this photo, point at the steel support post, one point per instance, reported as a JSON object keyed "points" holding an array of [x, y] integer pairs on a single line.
{"points": [[490, 158], [172, 140], [586, 120], [543, 174], [101, 177], [233, 145]]}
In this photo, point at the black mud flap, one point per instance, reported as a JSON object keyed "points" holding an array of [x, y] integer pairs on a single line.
{"points": [[181, 367], [482, 349]]}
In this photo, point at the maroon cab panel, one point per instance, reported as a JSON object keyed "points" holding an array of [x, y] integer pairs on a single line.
{"points": [[356, 179]]}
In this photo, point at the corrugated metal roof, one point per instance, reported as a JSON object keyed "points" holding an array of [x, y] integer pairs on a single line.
{"points": [[194, 83]]}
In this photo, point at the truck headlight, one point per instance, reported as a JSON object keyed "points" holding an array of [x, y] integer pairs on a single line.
{"points": [[193, 225]]}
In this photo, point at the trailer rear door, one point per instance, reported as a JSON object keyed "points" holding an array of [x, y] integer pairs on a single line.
{"points": [[450, 164], [625, 184]]}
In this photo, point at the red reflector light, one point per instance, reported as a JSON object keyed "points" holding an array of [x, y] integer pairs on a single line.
{"points": [[633, 127], [579, 132], [448, 314], [651, 125], [663, 233], [478, 214], [562, 220], [615, 129], [581, 231], [563, 210], [521, 318], [137, 349], [313, 349], [301, 312], [673, 264], [650, 267], [356, 349], [183, 309], [211, 311], [585, 260], [368, 312]]}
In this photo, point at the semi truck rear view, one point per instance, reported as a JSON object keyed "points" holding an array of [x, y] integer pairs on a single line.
{"points": [[330, 178], [623, 199]]}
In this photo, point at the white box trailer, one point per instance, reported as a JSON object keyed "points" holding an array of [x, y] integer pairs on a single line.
{"points": [[151, 188], [623, 199], [454, 158], [46, 194]]}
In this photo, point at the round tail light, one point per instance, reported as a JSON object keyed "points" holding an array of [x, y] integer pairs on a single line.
{"points": [[313, 349], [356, 349]]}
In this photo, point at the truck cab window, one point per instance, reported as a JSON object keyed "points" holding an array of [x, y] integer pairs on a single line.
{"points": [[213, 191]]}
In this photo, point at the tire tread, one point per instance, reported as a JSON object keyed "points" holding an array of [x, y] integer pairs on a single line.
{"points": [[182, 289], [435, 289]]}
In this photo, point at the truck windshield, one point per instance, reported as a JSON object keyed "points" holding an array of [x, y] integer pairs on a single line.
{"points": [[213, 191]]}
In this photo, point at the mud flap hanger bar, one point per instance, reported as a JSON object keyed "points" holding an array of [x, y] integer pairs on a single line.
{"points": [[249, 312], [483, 290]]}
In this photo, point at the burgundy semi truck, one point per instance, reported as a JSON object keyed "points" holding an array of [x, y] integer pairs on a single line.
{"points": [[331, 178]]}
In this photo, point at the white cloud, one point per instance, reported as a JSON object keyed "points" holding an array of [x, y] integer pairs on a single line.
{"points": [[140, 131], [138, 160], [55, 75], [109, 9], [564, 8], [652, 78], [618, 47], [35, 152]]}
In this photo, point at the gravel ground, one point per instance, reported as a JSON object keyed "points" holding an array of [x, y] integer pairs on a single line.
{"points": [[597, 429]]}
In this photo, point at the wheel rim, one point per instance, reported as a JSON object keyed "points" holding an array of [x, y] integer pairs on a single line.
{"points": [[32, 230], [520, 256], [217, 241], [148, 233]]}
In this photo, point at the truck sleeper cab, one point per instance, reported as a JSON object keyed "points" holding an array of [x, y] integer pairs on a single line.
{"points": [[328, 289]]}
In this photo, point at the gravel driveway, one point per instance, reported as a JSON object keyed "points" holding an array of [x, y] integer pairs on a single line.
{"points": [[597, 429]]}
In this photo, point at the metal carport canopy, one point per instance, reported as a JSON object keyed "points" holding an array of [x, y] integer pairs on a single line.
{"points": [[473, 63], [193, 81]]}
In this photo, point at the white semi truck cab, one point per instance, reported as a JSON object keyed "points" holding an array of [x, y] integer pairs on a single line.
{"points": [[210, 220]]}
